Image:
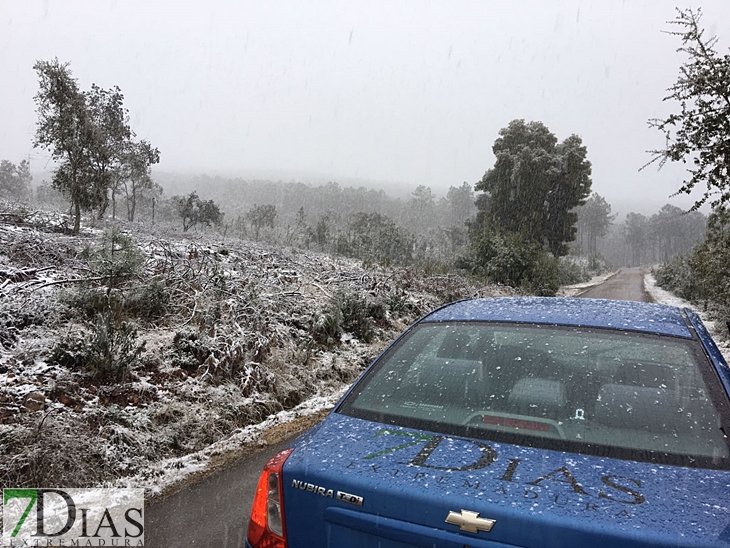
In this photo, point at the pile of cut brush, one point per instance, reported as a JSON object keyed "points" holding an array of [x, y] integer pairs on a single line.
{"points": [[120, 349]]}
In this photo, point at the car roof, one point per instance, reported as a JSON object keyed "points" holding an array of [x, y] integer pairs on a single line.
{"points": [[625, 315]]}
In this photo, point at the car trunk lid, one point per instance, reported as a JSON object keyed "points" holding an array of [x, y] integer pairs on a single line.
{"points": [[359, 483]]}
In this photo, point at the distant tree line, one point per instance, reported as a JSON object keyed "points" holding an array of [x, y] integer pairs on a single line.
{"points": [[513, 227], [530, 220], [663, 236], [357, 222]]}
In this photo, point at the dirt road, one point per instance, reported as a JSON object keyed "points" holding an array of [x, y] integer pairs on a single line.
{"points": [[626, 285], [213, 512]]}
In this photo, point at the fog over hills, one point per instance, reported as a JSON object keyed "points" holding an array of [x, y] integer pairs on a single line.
{"points": [[383, 94]]}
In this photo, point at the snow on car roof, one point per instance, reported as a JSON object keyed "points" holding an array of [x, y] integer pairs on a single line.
{"points": [[628, 315]]}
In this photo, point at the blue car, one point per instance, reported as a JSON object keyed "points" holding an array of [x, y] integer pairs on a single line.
{"points": [[517, 422]]}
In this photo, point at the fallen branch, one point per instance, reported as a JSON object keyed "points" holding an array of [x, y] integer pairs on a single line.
{"points": [[315, 284], [186, 322], [71, 281], [22, 275]]}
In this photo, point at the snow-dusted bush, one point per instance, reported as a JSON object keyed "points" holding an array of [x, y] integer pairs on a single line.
{"points": [[577, 269], [107, 350], [349, 312], [149, 301], [359, 315], [703, 276], [326, 326], [544, 276], [51, 449], [678, 277], [114, 257]]}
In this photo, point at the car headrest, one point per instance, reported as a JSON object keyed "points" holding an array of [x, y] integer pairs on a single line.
{"points": [[449, 379], [456, 344], [538, 397], [636, 407], [645, 374]]}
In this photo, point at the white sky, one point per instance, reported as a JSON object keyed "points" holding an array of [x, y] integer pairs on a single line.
{"points": [[409, 92]]}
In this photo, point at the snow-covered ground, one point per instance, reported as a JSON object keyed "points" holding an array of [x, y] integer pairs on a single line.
{"points": [[662, 296], [245, 341], [168, 475], [574, 289]]}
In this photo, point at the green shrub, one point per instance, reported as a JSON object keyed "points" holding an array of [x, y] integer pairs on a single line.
{"points": [[356, 315], [89, 301], [544, 276], [678, 276], [348, 312], [596, 265], [115, 257], [327, 325], [69, 352], [703, 276], [398, 305], [108, 350], [191, 350], [149, 301], [570, 272], [575, 270], [504, 257]]}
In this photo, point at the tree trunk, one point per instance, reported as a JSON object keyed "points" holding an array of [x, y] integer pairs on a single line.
{"points": [[104, 207], [77, 217], [126, 195], [134, 204]]}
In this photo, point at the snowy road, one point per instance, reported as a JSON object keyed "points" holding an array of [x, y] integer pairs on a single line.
{"points": [[214, 511]]}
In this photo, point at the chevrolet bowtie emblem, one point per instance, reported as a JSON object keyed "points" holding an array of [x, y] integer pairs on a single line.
{"points": [[470, 521]]}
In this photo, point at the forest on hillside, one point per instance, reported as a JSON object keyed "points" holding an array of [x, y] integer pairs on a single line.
{"points": [[422, 229]]}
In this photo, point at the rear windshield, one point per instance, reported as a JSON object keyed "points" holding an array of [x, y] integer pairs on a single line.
{"points": [[591, 391]]}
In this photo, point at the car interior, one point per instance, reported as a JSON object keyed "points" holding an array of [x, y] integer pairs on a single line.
{"points": [[594, 386]]}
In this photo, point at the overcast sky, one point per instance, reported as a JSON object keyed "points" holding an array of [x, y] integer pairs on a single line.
{"points": [[409, 92]]}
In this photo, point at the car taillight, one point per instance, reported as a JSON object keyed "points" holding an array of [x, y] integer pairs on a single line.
{"points": [[266, 527]]}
